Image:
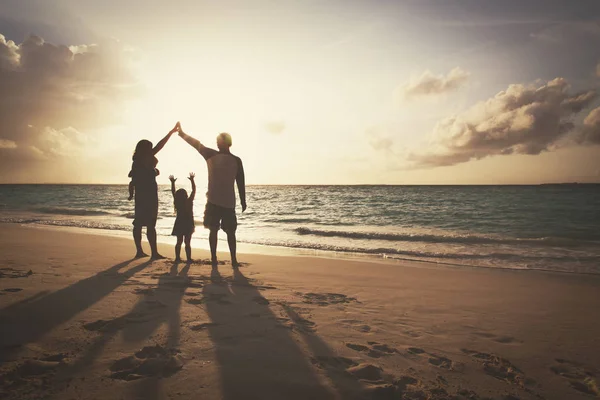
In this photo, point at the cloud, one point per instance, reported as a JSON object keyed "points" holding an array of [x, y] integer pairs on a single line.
{"points": [[520, 120], [51, 95], [379, 140], [7, 144], [430, 84], [275, 127], [590, 134]]}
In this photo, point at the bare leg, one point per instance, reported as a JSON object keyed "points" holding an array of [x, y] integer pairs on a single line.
{"points": [[137, 239], [151, 234], [178, 247], [231, 240], [188, 248], [212, 241]]}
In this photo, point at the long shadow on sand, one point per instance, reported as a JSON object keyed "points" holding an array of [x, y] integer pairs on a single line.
{"points": [[154, 308], [26, 322], [257, 356]]}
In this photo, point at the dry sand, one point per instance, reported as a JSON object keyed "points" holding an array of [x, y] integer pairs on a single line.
{"points": [[90, 323]]}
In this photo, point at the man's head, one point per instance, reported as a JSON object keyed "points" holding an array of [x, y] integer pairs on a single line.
{"points": [[224, 141]]}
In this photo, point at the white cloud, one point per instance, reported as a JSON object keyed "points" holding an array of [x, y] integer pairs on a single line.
{"points": [[590, 133], [275, 127], [7, 144], [520, 120], [430, 84], [50, 94]]}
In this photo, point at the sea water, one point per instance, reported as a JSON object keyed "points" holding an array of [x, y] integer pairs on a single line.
{"points": [[547, 227]]}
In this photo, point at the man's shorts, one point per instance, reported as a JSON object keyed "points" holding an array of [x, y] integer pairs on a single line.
{"points": [[216, 217]]}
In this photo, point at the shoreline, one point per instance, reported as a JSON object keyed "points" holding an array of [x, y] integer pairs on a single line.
{"points": [[272, 250]]}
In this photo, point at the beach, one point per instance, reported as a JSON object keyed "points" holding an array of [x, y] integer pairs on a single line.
{"points": [[82, 320]]}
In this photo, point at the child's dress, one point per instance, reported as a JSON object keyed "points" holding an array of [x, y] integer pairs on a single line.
{"points": [[184, 222]]}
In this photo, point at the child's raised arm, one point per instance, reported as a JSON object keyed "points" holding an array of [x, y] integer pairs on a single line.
{"points": [[172, 179], [191, 178]]}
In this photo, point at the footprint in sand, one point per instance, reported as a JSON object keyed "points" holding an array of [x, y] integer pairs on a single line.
{"points": [[435, 359], [368, 372], [297, 321], [356, 325], [500, 368], [148, 362], [415, 350], [32, 371], [325, 299], [488, 335], [334, 362], [203, 326], [504, 339], [12, 273], [441, 362], [12, 290], [261, 300], [581, 378], [145, 292], [376, 350], [218, 298]]}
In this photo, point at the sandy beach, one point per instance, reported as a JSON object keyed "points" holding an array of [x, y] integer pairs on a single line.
{"points": [[81, 320]]}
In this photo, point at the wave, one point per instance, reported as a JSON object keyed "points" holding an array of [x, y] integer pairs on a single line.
{"points": [[388, 252], [71, 211], [290, 220], [67, 223], [430, 238]]}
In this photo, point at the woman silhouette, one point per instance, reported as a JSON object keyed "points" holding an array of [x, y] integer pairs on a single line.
{"points": [[143, 183]]}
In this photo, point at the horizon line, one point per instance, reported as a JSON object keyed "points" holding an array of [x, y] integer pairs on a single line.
{"points": [[324, 184]]}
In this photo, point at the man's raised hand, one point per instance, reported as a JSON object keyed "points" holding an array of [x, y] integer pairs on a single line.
{"points": [[175, 128]]}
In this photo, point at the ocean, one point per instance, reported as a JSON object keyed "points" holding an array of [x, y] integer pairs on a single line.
{"points": [[545, 227]]}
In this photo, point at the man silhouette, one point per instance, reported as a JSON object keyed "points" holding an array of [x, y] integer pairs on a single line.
{"points": [[223, 169]]}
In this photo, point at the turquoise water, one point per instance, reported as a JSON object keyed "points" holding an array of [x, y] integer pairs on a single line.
{"points": [[549, 227]]}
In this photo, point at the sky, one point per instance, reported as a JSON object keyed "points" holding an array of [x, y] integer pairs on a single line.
{"points": [[312, 92]]}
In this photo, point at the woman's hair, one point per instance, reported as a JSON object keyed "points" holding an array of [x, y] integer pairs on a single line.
{"points": [[181, 197], [143, 148]]}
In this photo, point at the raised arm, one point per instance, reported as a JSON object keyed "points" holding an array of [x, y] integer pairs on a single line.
{"points": [[191, 178], [240, 179], [172, 179], [195, 143], [164, 140]]}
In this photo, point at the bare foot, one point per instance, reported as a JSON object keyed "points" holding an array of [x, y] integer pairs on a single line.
{"points": [[157, 257], [214, 263], [140, 254], [189, 261], [177, 260], [235, 264]]}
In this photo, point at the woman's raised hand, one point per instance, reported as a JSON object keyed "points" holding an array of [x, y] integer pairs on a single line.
{"points": [[175, 128]]}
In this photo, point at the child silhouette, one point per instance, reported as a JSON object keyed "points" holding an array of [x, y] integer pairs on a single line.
{"points": [[184, 222]]}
